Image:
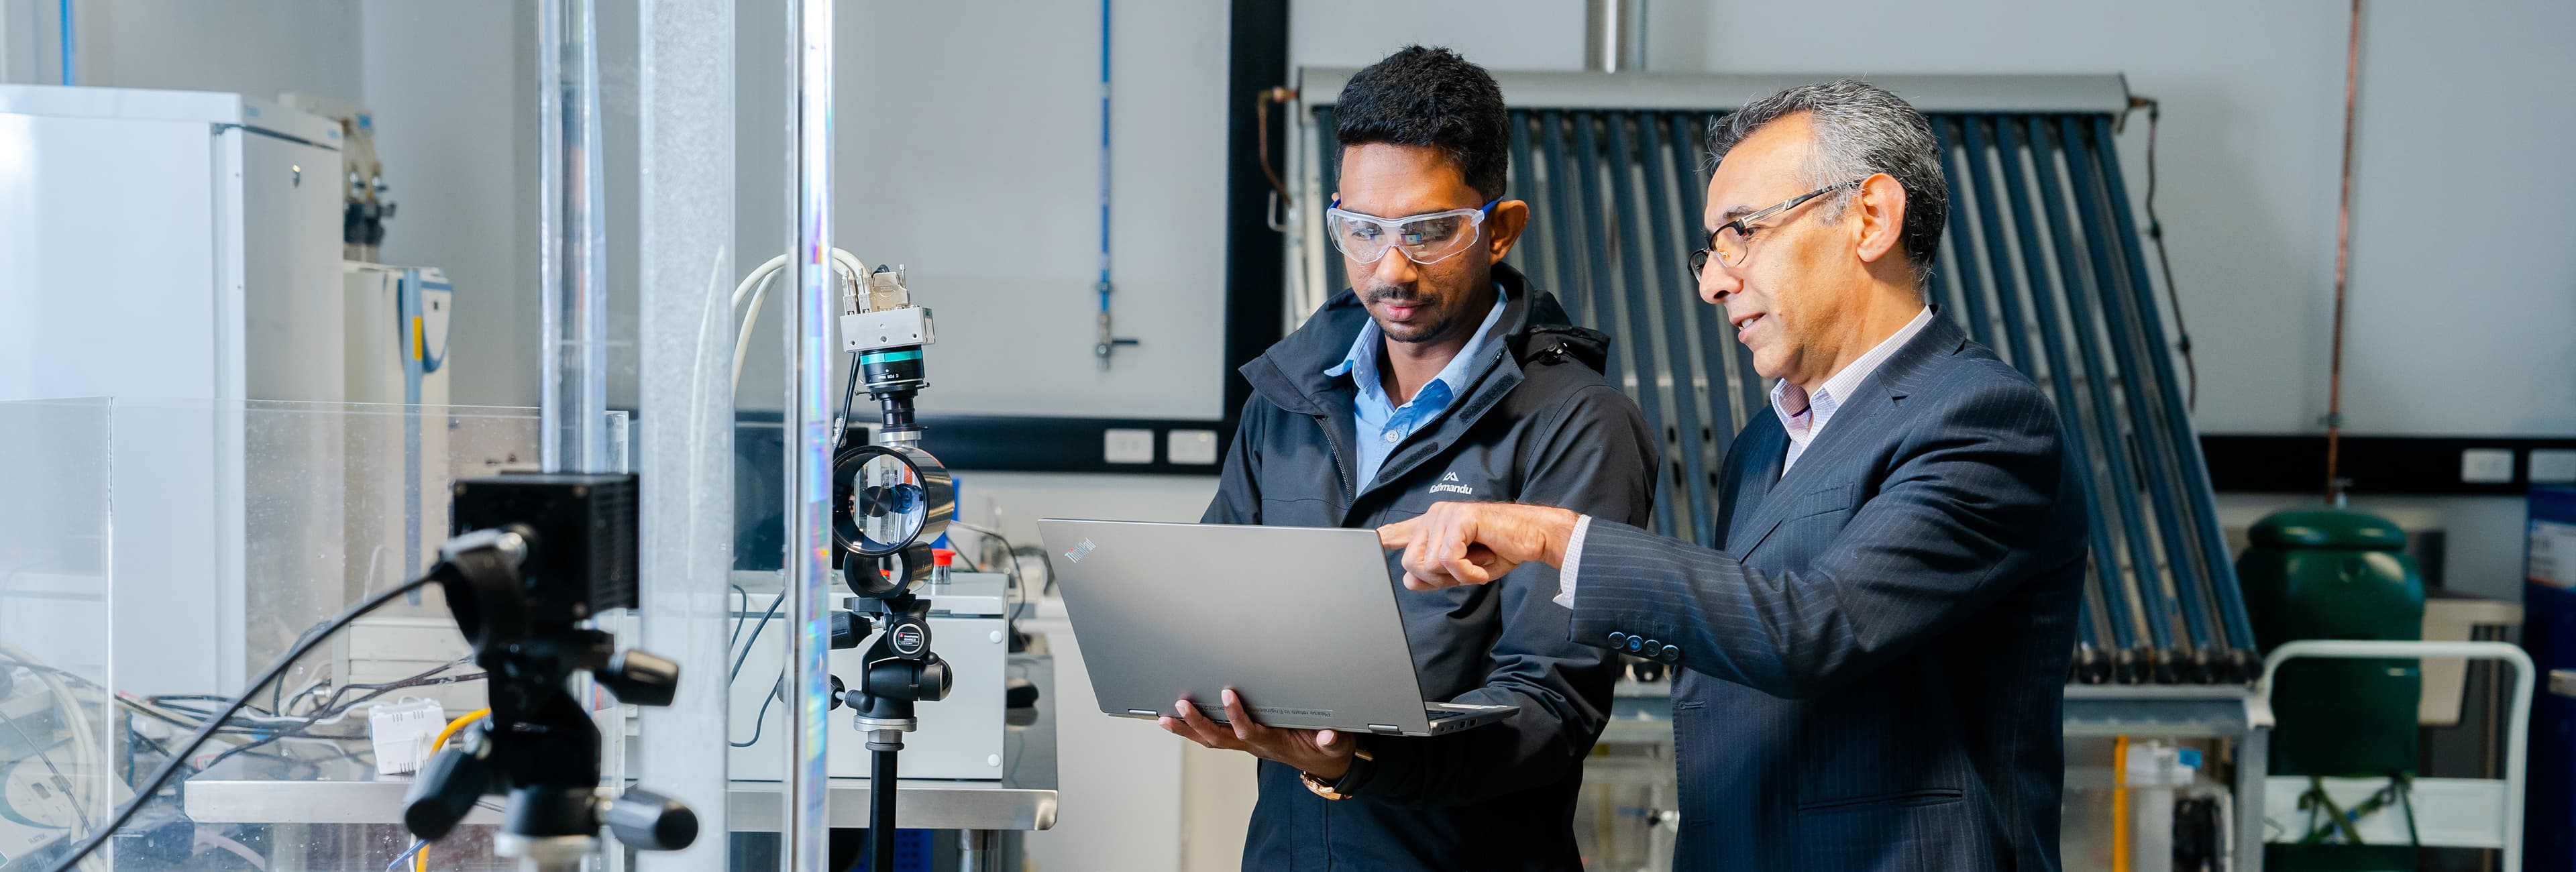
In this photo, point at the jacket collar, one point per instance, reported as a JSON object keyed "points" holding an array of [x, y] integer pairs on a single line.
{"points": [[1291, 374], [1884, 390]]}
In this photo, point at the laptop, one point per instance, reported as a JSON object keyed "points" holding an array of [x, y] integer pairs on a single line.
{"points": [[1300, 621]]}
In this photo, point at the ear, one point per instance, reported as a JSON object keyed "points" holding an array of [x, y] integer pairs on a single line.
{"points": [[1880, 203], [1503, 228]]}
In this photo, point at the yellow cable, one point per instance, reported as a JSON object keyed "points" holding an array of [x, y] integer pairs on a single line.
{"points": [[420, 858], [455, 725], [2120, 860]]}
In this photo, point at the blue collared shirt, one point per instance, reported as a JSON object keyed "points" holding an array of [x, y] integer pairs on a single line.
{"points": [[1381, 425]]}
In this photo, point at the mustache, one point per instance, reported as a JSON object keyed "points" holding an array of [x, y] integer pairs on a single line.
{"points": [[1397, 296]]}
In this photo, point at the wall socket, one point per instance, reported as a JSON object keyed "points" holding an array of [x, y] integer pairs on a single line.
{"points": [[2486, 465], [1191, 447], [1127, 446], [2553, 466]]}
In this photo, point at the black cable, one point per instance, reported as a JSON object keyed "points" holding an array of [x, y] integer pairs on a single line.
{"points": [[160, 777], [736, 638], [754, 641], [2156, 234], [313, 720], [761, 720]]}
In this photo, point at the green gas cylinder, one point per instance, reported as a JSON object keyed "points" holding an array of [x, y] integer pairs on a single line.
{"points": [[2336, 574]]}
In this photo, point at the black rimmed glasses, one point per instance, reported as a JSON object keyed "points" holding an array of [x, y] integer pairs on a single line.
{"points": [[1733, 240]]}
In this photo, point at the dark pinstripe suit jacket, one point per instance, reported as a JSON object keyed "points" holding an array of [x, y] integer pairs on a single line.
{"points": [[1874, 664]]}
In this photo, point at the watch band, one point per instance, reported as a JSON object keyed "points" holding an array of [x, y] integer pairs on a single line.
{"points": [[1362, 764]]}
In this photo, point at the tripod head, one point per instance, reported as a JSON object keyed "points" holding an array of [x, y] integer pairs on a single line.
{"points": [[545, 553], [901, 669]]}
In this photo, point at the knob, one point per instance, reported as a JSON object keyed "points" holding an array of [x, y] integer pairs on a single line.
{"points": [[932, 682], [847, 630], [648, 821], [446, 789], [642, 678]]}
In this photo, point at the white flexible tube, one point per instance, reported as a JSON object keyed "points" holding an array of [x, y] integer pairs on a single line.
{"points": [[756, 287], [87, 761]]}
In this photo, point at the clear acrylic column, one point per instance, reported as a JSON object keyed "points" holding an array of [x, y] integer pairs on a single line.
{"points": [[686, 158], [807, 433], [572, 257]]}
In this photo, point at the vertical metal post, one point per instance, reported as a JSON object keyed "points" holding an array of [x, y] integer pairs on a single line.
{"points": [[807, 418], [1614, 36], [687, 266], [572, 308]]}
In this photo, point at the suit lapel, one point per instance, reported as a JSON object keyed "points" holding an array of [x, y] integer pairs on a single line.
{"points": [[1759, 450], [1858, 423]]}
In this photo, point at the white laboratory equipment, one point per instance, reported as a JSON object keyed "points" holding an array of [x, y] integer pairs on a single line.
{"points": [[183, 246]]}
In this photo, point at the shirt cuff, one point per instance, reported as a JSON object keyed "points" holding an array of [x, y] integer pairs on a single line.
{"points": [[1573, 557]]}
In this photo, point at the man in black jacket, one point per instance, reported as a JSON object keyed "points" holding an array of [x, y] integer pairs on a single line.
{"points": [[1440, 375]]}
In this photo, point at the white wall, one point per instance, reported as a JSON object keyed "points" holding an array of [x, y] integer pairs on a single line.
{"points": [[967, 147], [255, 49], [453, 89]]}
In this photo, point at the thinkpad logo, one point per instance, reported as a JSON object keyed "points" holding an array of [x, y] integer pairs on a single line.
{"points": [[1077, 552], [1449, 484]]}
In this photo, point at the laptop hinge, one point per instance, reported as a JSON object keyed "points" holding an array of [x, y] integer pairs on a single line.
{"points": [[1144, 713], [1386, 729]]}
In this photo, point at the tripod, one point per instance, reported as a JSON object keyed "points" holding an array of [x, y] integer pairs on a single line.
{"points": [[901, 670], [519, 591]]}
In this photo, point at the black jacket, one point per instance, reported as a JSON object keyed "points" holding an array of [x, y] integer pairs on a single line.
{"points": [[1536, 424], [1874, 667]]}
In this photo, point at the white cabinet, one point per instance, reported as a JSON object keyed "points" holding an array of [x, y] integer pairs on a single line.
{"points": [[178, 251]]}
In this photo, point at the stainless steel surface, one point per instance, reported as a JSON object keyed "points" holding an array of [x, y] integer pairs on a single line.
{"points": [[1614, 36], [572, 258], [347, 791], [686, 225], [1646, 90], [805, 806], [979, 851], [1163, 611], [2158, 711]]}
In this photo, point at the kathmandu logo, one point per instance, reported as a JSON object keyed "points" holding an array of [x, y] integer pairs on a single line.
{"points": [[1449, 484]]}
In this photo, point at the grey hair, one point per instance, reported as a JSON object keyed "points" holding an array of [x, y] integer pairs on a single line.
{"points": [[1861, 129]]}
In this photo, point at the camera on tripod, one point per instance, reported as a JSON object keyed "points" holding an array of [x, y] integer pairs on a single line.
{"points": [[536, 556]]}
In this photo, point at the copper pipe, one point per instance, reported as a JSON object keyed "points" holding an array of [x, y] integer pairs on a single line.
{"points": [[2343, 266], [1261, 135]]}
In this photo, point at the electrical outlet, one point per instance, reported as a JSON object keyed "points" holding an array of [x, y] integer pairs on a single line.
{"points": [[1191, 447], [2486, 465], [1127, 446], [2553, 466]]}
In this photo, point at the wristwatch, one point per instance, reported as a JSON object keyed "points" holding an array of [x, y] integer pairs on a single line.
{"points": [[1350, 781]]}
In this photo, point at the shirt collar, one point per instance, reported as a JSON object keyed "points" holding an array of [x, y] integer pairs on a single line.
{"points": [[1837, 389], [1361, 361]]}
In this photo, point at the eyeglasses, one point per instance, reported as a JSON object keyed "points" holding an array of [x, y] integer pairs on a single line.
{"points": [[1428, 238], [1734, 239]]}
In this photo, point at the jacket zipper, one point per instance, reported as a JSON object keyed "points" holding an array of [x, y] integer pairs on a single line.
{"points": [[1341, 471]]}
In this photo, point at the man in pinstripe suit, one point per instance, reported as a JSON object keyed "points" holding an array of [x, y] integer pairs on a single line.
{"points": [[1872, 664]]}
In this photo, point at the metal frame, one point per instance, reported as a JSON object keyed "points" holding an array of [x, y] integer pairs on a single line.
{"points": [[2517, 721], [807, 420], [1321, 86]]}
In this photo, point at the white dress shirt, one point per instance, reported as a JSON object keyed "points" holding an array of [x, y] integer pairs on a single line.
{"points": [[1802, 415]]}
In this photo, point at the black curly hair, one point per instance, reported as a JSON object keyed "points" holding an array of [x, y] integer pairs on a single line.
{"points": [[1431, 98]]}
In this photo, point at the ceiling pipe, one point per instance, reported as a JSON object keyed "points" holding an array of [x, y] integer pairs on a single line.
{"points": [[1614, 36]]}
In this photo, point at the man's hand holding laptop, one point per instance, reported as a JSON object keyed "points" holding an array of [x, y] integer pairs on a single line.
{"points": [[1325, 754]]}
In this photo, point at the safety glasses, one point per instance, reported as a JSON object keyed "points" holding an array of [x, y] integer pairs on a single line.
{"points": [[1428, 238]]}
